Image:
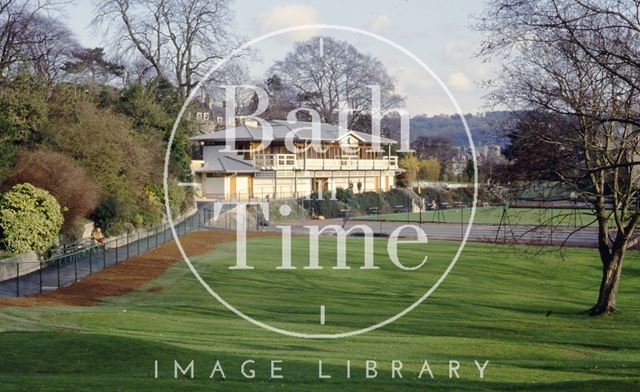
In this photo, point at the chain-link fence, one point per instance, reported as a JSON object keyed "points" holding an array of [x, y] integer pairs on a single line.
{"points": [[53, 273]]}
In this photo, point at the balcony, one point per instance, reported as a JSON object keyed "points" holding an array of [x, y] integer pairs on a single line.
{"points": [[289, 162]]}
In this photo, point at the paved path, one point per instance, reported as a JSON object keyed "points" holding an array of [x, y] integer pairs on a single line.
{"points": [[570, 236], [67, 269]]}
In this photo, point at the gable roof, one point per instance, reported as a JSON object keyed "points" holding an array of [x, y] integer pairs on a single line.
{"points": [[280, 128]]}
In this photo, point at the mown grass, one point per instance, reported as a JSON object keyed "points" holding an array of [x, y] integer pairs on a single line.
{"points": [[494, 215], [520, 310]]}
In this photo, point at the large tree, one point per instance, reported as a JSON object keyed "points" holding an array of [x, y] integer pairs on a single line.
{"points": [[179, 40], [29, 35], [325, 73], [579, 60], [92, 64]]}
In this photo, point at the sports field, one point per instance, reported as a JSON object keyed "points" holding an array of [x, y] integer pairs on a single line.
{"points": [[494, 215], [521, 310]]}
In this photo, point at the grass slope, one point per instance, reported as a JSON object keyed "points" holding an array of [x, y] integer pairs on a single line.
{"points": [[521, 311]]}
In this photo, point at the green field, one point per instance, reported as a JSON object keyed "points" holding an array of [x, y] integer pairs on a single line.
{"points": [[519, 310], [493, 215]]}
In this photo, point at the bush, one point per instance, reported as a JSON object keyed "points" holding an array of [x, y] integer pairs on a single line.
{"points": [[30, 219], [62, 177], [344, 195], [430, 169], [105, 215]]}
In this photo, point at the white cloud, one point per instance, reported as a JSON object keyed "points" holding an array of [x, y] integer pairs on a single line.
{"points": [[290, 15], [459, 50], [382, 22], [459, 82], [411, 79]]}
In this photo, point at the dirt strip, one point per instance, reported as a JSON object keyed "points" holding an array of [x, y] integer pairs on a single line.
{"points": [[129, 275]]}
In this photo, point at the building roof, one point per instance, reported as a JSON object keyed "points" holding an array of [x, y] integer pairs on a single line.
{"points": [[217, 160], [280, 128]]}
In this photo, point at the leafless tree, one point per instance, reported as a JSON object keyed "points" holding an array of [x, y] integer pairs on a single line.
{"points": [[326, 73], [52, 46], [29, 33], [179, 39], [579, 59], [436, 147]]}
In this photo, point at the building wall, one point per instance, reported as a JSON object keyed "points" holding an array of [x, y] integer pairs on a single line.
{"points": [[214, 187], [288, 184]]}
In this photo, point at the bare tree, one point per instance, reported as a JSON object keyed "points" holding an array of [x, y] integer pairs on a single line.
{"points": [[180, 40], [326, 73], [579, 61], [437, 147], [28, 33], [53, 44]]}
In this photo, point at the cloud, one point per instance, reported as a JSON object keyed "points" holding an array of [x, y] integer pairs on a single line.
{"points": [[382, 22], [459, 82], [459, 50], [410, 79], [290, 15]]}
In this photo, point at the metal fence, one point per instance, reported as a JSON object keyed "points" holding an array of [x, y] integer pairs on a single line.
{"points": [[60, 271]]}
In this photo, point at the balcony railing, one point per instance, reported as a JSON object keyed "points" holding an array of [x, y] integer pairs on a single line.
{"points": [[289, 161]]}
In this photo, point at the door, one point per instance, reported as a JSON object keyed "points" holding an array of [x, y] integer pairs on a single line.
{"points": [[232, 187], [376, 183], [386, 183]]}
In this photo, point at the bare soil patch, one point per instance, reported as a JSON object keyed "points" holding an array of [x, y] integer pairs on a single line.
{"points": [[131, 274]]}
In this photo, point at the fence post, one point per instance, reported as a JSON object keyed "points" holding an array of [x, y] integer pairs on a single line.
{"points": [[40, 277], [462, 220]]}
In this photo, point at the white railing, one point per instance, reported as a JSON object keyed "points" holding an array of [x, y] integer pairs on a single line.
{"points": [[275, 161], [353, 163], [289, 161]]}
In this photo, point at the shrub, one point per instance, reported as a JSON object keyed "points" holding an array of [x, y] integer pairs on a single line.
{"points": [[120, 161], [62, 177], [344, 195], [430, 169], [105, 215], [368, 200], [30, 219], [324, 206]]}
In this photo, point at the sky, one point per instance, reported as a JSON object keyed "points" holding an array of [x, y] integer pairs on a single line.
{"points": [[436, 32]]}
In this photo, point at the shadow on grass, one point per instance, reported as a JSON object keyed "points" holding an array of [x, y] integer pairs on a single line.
{"points": [[94, 362]]}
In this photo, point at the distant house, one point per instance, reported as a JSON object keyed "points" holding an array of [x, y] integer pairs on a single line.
{"points": [[485, 154], [205, 114], [347, 161]]}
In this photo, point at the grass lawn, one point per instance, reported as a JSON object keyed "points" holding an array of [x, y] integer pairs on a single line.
{"points": [[492, 215], [519, 310]]}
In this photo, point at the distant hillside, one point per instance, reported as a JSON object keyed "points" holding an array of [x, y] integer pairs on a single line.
{"points": [[486, 128]]}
